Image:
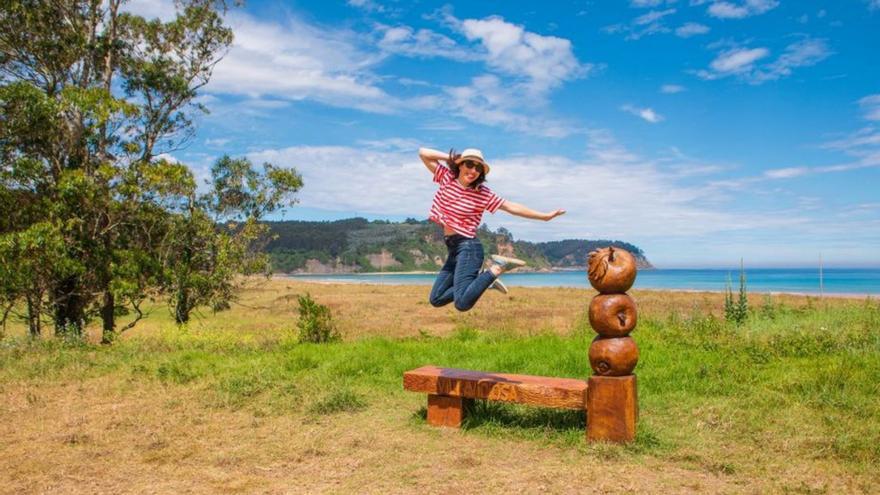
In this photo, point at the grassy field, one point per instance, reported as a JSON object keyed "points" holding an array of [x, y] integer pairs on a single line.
{"points": [[787, 403]]}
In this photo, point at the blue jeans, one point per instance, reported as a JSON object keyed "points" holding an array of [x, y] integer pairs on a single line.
{"points": [[460, 280]]}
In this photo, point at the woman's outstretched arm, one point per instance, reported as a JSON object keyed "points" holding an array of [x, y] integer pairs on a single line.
{"points": [[526, 212], [431, 158]]}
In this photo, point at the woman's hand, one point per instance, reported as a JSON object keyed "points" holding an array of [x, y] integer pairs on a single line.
{"points": [[553, 214], [526, 212], [431, 158]]}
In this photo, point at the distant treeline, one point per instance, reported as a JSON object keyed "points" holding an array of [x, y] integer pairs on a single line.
{"points": [[357, 244]]}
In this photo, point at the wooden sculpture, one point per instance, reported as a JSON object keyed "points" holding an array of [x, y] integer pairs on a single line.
{"points": [[608, 397], [612, 402]]}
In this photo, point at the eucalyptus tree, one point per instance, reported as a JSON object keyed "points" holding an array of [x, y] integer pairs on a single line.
{"points": [[91, 97], [218, 235]]}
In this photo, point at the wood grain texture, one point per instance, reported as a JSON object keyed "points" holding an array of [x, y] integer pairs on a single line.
{"points": [[613, 356], [447, 411], [612, 408], [611, 270], [566, 393], [613, 315]]}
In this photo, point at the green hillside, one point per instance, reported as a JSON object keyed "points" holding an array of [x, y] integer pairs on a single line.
{"points": [[360, 245]]}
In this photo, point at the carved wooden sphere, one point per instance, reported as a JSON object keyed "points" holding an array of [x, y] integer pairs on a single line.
{"points": [[611, 270], [613, 315], [613, 356]]}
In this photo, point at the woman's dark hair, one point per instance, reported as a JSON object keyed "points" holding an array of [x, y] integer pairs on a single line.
{"points": [[451, 162]]}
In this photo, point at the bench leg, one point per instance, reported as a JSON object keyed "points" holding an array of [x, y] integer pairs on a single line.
{"points": [[447, 411], [612, 408]]}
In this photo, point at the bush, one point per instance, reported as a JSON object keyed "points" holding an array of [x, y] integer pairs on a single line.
{"points": [[315, 322]]}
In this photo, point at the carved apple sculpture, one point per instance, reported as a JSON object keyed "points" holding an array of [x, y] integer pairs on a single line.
{"points": [[611, 270], [613, 315], [613, 356]]}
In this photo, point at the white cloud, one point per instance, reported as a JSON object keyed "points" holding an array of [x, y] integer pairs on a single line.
{"points": [[863, 146], [217, 142], [328, 173], [742, 62], [404, 40], [873, 4], [738, 60], [733, 61], [691, 29], [643, 25], [406, 81], [442, 125], [367, 5], [292, 60], [652, 16], [871, 105], [646, 114], [803, 53], [728, 10], [402, 145], [671, 88], [295, 60], [864, 143], [602, 147], [593, 189], [641, 4], [487, 101], [167, 157], [544, 61], [869, 159], [785, 173]]}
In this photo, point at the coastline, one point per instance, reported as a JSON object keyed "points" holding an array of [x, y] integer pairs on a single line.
{"points": [[832, 295]]}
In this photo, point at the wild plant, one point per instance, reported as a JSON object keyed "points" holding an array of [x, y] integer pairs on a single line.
{"points": [[315, 321], [736, 311]]}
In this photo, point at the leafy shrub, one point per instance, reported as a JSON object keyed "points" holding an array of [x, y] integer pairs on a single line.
{"points": [[315, 322]]}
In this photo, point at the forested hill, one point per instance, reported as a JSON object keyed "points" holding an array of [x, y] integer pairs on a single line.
{"points": [[359, 245]]}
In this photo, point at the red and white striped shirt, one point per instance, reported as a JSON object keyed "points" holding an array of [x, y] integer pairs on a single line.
{"points": [[458, 207]]}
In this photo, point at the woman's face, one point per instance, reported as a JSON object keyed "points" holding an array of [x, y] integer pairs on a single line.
{"points": [[469, 171]]}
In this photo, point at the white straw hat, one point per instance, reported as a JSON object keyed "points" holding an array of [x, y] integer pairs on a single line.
{"points": [[474, 155]]}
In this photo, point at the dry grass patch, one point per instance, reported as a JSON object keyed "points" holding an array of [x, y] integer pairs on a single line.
{"points": [[100, 437], [235, 404]]}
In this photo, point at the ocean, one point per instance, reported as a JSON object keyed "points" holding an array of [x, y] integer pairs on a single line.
{"points": [[862, 281]]}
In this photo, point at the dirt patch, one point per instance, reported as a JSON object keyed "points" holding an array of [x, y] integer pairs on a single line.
{"points": [[383, 260], [316, 266]]}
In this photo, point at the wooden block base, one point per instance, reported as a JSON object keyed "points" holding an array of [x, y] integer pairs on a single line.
{"points": [[447, 411], [612, 408]]}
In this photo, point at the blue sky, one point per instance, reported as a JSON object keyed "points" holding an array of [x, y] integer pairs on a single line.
{"points": [[702, 131]]}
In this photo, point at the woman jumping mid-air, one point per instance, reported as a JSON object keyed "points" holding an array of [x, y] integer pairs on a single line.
{"points": [[458, 206]]}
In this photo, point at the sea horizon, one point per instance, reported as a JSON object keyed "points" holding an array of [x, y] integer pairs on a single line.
{"points": [[855, 281]]}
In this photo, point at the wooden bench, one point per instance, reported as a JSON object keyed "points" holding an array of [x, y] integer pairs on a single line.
{"points": [[609, 401]]}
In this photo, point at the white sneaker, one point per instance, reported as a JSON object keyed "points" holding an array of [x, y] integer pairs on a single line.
{"points": [[499, 286], [506, 263]]}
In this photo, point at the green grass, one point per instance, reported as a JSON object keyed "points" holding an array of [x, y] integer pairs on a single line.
{"points": [[803, 383]]}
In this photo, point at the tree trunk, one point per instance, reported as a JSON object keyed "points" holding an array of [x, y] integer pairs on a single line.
{"points": [[182, 308], [70, 316], [33, 316], [108, 317]]}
